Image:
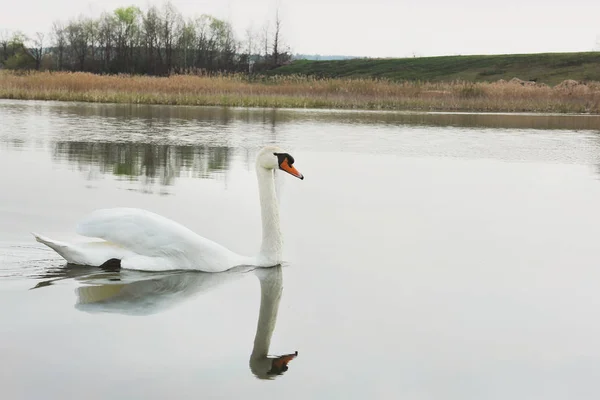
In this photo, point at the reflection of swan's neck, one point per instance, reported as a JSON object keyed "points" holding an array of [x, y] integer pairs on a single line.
{"points": [[272, 242], [270, 295]]}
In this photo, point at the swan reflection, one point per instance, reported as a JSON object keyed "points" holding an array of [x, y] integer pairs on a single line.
{"points": [[142, 293]]}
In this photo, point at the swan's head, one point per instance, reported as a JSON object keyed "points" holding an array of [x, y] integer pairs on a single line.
{"points": [[273, 157], [271, 367]]}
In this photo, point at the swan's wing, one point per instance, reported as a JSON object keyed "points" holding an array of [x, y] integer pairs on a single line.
{"points": [[138, 230], [151, 235]]}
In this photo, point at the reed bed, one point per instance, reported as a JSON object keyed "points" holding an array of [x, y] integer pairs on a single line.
{"points": [[303, 92]]}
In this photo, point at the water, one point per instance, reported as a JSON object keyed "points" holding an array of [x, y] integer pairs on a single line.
{"points": [[427, 256]]}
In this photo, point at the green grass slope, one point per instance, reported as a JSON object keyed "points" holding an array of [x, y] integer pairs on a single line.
{"points": [[549, 68]]}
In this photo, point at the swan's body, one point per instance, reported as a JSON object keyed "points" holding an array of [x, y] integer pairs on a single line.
{"points": [[142, 240], [145, 241]]}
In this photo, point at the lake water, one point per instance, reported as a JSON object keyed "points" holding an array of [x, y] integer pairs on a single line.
{"points": [[428, 256]]}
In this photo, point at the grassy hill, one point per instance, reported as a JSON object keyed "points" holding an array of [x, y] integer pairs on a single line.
{"points": [[549, 68]]}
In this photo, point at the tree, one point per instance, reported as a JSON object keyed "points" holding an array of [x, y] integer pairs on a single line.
{"points": [[186, 45], [158, 41], [60, 42], [151, 25], [37, 50], [91, 27], [169, 32], [250, 47], [4, 41], [16, 54], [276, 38], [77, 42], [106, 28], [279, 56], [17, 43], [126, 28], [265, 40], [226, 45]]}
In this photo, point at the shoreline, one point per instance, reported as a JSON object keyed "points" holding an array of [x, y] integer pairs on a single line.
{"points": [[326, 110], [307, 93]]}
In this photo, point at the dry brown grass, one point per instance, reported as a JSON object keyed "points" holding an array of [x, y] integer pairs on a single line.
{"points": [[294, 91]]}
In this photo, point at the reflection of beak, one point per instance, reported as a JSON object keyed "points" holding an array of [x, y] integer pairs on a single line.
{"points": [[285, 166], [280, 363]]}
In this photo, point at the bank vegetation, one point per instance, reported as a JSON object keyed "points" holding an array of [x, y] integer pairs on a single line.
{"points": [[242, 90]]}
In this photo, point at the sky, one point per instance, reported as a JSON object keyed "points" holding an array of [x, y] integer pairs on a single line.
{"points": [[369, 28]]}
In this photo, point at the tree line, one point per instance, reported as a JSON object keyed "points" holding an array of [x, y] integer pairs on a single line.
{"points": [[158, 41]]}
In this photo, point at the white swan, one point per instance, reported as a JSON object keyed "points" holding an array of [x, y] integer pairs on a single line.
{"points": [[141, 240]]}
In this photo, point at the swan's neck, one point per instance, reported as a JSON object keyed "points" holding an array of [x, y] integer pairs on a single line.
{"points": [[272, 241], [270, 295]]}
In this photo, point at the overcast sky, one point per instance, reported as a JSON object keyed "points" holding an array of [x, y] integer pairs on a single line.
{"points": [[375, 28]]}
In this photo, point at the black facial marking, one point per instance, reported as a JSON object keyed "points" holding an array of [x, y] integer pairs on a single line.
{"points": [[277, 371], [281, 157]]}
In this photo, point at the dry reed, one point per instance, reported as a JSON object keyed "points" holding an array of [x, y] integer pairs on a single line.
{"points": [[302, 92]]}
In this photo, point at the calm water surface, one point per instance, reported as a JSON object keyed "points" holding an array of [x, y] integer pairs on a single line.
{"points": [[428, 256]]}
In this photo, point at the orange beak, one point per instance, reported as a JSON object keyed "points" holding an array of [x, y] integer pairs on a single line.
{"points": [[283, 361], [285, 166]]}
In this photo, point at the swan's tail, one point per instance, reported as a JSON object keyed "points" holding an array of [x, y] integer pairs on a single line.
{"points": [[80, 254], [92, 253], [60, 247], [63, 249]]}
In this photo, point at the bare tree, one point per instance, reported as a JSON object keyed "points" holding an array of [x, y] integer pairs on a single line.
{"points": [[150, 27], [106, 28], [60, 42], [170, 31], [186, 45], [250, 41], [250, 47], [4, 41], [203, 41], [78, 41], [264, 39], [37, 50], [228, 47], [276, 38], [281, 51], [91, 27]]}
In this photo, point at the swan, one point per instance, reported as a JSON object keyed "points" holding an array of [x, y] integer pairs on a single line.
{"points": [[142, 293], [133, 238]]}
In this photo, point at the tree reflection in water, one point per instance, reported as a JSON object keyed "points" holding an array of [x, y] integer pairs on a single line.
{"points": [[146, 162]]}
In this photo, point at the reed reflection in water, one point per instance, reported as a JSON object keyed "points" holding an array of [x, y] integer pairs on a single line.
{"points": [[157, 115]]}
